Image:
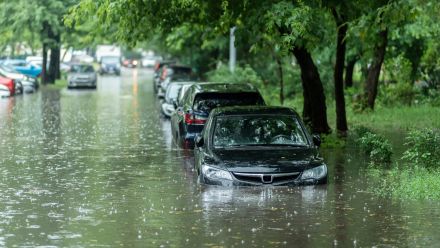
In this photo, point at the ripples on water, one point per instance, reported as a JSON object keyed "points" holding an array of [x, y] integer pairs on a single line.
{"points": [[97, 168]]}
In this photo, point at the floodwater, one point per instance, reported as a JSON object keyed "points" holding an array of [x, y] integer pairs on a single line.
{"points": [[85, 168]]}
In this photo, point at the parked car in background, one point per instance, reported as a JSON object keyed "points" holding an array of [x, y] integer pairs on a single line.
{"points": [[257, 145], [9, 84], [172, 73], [81, 75], [29, 84], [171, 95], [180, 96], [149, 61], [189, 118], [157, 72], [110, 65], [26, 68]]}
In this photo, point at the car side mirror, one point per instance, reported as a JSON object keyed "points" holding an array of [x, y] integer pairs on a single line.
{"points": [[160, 96], [199, 141], [317, 140]]}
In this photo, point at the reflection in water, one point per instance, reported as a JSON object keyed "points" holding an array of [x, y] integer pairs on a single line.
{"points": [[98, 168]]}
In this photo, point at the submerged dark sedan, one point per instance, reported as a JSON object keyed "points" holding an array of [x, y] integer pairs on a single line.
{"points": [[257, 145]]}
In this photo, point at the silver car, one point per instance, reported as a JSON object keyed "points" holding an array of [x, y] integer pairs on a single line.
{"points": [[81, 75], [171, 97]]}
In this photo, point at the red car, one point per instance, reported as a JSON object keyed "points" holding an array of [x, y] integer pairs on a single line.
{"points": [[9, 84]]}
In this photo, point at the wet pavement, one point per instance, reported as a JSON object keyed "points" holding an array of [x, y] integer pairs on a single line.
{"points": [[85, 168]]}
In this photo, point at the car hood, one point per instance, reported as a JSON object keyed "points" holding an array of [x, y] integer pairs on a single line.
{"points": [[266, 161], [82, 74]]}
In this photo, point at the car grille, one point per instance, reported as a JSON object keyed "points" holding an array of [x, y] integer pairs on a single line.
{"points": [[276, 178]]}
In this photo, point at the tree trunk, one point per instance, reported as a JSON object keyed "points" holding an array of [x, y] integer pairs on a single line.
{"points": [[349, 69], [54, 63], [341, 118], [314, 109], [280, 71], [372, 82], [44, 69], [64, 54]]}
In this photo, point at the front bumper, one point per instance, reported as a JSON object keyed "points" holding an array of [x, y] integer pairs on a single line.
{"points": [[253, 179], [76, 83]]}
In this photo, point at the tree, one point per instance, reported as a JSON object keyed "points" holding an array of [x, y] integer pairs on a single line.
{"points": [[43, 19]]}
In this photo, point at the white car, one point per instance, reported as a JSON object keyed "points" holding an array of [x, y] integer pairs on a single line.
{"points": [[149, 61]]}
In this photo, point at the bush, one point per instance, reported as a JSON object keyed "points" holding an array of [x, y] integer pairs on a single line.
{"points": [[423, 148], [399, 93], [376, 147], [240, 75]]}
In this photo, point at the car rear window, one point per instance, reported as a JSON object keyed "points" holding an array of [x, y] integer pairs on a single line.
{"points": [[208, 101]]}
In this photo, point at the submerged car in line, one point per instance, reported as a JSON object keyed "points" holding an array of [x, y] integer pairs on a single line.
{"points": [[81, 75], [29, 84], [189, 118], [173, 73], [257, 145], [158, 67], [171, 96]]}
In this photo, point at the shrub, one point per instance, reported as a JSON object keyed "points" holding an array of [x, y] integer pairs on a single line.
{"points": [[423, 148], [376, 147], [241, 75]]}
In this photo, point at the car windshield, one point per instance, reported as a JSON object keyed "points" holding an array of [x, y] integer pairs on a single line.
{"points": [[258, 130], [81, 69], [173, 91], [208, 101], [110, 60]]}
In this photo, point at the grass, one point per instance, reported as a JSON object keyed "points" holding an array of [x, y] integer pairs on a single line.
{"points": [[59, 84], [405, 182]]}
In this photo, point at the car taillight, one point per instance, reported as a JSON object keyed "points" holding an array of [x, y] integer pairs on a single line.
{"points": [[191, 119], [11, 86]]}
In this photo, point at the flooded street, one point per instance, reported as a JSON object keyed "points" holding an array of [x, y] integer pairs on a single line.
{"points": [[88, 168]]}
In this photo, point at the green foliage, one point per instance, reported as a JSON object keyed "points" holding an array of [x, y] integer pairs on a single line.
{"points": [[398, 94], [377, 147], [241, 75], [423, 148], [406, 182]]}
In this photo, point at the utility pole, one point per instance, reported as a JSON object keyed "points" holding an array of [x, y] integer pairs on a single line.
{"points": [[232, 49]]}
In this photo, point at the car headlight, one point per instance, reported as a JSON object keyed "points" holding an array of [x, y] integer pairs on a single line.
{"points": [[216, 174], [315, 173]]}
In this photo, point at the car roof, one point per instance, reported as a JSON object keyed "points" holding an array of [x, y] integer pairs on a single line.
{"points": [[253, 110], [210, 87]]}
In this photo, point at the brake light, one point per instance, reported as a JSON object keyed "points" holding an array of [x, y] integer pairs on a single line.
{"points": [[11, 86], [190, 119]]}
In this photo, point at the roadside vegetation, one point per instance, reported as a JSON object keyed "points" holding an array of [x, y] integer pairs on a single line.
{"points": [[415, 175]]}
